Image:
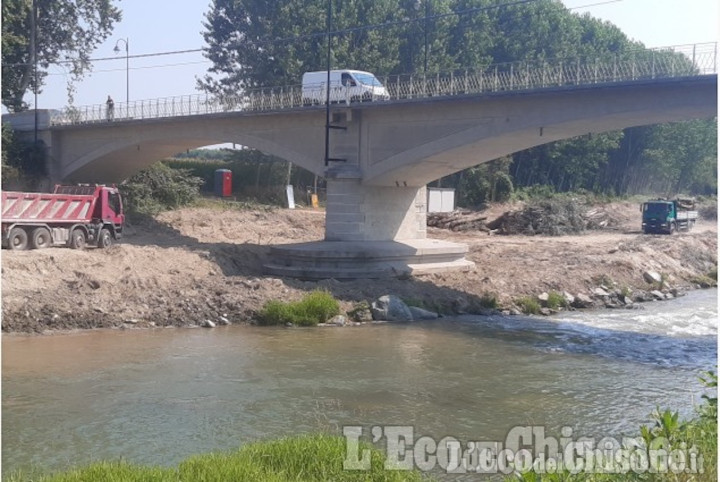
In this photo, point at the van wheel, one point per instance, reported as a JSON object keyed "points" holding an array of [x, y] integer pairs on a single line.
{"points": [[40, 238], [78, 239], [105, 240], [18, 239]]}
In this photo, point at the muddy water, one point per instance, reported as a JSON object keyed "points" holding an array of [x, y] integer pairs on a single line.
{"points": [[155, 397]]}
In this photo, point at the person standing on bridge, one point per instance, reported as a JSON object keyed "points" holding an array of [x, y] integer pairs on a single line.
{"points": [[110, 108]]}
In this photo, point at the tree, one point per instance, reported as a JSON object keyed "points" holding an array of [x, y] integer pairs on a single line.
{"points": [[683, 157], [254, 43], [67, 31], [22, 161]]}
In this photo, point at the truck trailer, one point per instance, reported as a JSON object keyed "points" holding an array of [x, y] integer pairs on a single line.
{"points": [[668, 216], [73, 216]]}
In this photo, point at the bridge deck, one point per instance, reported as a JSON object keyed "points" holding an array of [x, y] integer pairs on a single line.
{"points": [[641, 65]]}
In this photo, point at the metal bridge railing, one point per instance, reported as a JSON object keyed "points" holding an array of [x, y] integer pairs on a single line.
{"points": [[670, 62]]}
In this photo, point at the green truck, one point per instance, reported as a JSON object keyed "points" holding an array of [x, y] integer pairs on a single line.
{"points": [[668, 216]]}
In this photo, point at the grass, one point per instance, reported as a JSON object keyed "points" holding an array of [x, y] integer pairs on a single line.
{"points": [[528, 305], [316, 307], [708, 280], [218, 204], [310, 458], [556, 300], [489, 301], [703, 281]]}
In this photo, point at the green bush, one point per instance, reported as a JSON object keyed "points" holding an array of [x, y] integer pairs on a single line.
{"points": [[528, 305], [159, 188], [555, 300], [316, 307], [503, 188], [489, 301]]}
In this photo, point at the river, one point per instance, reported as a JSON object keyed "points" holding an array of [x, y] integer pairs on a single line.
{"points": [[158, 396]]}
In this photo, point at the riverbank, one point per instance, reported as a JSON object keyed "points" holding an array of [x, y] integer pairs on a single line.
{"points": [[184, 267]]}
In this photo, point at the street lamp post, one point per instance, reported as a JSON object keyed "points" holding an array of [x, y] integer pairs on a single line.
{"points": [[126, 41]]}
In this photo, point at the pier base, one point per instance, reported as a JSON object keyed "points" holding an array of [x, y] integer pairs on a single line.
{"points": [[366, 259]]}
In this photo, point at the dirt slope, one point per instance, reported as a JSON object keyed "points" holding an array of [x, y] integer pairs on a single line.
{"points": [[195, 264]]}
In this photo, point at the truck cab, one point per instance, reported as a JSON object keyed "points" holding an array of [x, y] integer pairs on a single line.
{"points": [[657, 216], [667, 216]]}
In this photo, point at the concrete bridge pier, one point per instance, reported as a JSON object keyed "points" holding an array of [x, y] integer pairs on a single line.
{"points": [[370, 232]]}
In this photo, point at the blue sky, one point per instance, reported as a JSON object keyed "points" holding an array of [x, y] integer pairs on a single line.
{"points": [[153, 26]]}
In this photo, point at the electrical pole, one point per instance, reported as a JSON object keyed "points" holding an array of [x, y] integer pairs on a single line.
{"points": [[33, 53], [327, 85]]}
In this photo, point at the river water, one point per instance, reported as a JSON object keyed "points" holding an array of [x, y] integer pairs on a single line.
{"points": [[156, 397]]}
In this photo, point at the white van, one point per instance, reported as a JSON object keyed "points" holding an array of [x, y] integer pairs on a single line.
{"points": [[345, 86]]}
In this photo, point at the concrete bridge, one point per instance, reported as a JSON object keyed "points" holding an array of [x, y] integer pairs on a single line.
{"points": [[431, 127]]}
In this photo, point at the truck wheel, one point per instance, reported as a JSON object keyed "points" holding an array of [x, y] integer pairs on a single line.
{"points": [[673, 228], [18, 239], [40, 238], [78, 239], [105, 240]]}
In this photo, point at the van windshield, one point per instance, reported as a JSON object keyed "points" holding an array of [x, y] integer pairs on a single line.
{"points": [[367, 79]]}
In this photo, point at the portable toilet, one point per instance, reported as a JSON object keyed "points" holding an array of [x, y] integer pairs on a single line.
{"points": [[223, 182]]}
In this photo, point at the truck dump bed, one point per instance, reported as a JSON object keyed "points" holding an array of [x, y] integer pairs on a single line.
{"points": [[26, 207]]}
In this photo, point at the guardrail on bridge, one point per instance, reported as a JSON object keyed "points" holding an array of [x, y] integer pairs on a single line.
{"points": [[670, 62]]}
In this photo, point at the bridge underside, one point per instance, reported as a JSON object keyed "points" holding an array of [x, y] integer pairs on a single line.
{"points": [[376, 207]]}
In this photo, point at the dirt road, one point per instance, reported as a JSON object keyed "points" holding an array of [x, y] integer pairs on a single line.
{"points": [[191, 265]]}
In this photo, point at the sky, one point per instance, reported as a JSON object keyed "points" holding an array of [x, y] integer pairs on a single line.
{"points": [[156, 26]]}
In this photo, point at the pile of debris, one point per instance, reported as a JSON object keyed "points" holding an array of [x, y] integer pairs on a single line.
{"points": [[548, 217], [552, 217], [458, 221], [600, 218]]}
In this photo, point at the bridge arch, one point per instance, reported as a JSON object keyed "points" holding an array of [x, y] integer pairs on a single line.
{"points": [[475, 132], [111, 152]]}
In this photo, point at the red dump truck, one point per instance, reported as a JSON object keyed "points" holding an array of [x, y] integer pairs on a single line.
{"points": [[74, 216]]}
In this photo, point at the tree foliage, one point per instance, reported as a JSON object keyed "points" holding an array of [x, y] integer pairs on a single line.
{"points": [[23, 162], [683, 157], [160, 188], [67, 31], [253, 43]]}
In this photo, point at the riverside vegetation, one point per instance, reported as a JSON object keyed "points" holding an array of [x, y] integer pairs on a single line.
{"points": [[311, 458], [316, 307]]}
